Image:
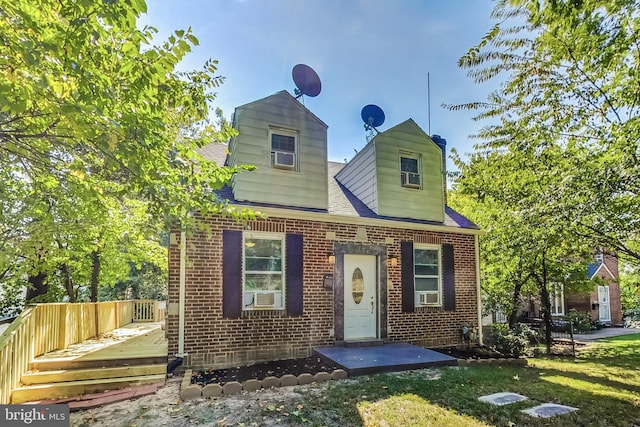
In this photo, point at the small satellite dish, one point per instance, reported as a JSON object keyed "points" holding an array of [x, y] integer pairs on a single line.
{"points": [[372, 116], [306, 80]]}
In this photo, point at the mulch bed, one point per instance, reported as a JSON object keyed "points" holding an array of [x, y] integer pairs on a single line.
{"points": [[309, 365], [276, 368]]}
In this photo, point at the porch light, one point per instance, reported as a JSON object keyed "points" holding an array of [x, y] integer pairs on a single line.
{"points": [[249, 243], [392, 261], [331, 258]]}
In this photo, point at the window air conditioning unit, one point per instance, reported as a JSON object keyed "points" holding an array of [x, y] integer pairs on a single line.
{"points": [[428, 298], [264, 300], [410, 180], [284, 160]]}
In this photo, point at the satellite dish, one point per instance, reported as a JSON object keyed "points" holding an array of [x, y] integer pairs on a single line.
{"points": [[306, 80], [372, 116]]}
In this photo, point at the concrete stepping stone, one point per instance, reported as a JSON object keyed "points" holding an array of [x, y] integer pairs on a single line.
{"points": [[547, 410], [503, 398]]}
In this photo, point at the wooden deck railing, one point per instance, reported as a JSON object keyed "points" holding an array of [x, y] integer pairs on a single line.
{"points": [[42, 328]]}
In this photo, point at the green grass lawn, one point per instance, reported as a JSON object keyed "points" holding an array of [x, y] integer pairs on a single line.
{"points": [[603, 382]]}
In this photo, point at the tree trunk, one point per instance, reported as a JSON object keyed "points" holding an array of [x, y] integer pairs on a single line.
{"points": [[515, 307], [546, 305], [37, 286], [68, 282], [95, 275]]}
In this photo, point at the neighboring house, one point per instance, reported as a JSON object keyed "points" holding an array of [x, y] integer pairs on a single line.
{"points": [[603, 301], [363, 252]]}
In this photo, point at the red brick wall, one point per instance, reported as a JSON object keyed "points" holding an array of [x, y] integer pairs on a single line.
{"points": [[212, 341], [582, 301], [614, 289]]}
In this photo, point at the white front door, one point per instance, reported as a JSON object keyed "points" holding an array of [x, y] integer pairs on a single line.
{"points": [[360, 297], [605, 304]]}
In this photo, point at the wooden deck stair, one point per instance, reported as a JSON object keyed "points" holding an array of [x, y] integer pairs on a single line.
{"points": [[137, 356]]}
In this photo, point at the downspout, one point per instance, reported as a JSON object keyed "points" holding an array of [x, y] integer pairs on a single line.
{"points": [[183, 277], [478, 292]]}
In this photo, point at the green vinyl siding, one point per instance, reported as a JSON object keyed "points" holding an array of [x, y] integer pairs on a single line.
{"points": [[394, 200], [303, 186], [359, 176]]}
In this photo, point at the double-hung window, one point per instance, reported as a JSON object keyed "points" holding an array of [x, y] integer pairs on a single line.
{"points": [[263, 272], [427, 275], [410, 171], [556, 297], [283, 144]]}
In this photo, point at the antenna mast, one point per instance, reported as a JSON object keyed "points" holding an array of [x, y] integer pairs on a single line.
{"points": [[429, 103]]}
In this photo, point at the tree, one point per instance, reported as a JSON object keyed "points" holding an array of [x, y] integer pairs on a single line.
{"points": [[572, 85], [95, 119], [630, 292], [88, 102], [522, 250]]}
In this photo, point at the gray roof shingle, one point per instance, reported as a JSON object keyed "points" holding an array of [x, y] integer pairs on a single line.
{"points": [[341, 201]]}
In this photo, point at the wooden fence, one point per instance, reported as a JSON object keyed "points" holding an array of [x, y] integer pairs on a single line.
{"points": [[149, 310], [42, 328]]}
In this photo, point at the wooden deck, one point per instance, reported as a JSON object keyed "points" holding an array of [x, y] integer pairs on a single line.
{"points": [[133, 354], [132, 341]]}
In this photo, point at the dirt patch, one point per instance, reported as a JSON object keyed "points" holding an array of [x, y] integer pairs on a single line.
{"points": [[278, 368], [272, 407]]}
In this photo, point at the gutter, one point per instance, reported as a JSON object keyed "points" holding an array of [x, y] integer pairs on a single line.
{"points": [[183, 276], [356, 220], [478, 291]]}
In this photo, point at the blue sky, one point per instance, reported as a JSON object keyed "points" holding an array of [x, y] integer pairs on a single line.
{"points": [[365, 52]]}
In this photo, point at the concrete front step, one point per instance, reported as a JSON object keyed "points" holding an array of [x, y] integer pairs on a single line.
{"points": [[76, 388], [64, 375]]}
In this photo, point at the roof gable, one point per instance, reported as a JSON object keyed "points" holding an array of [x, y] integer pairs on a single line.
{"points": [[283, 96], [594, 269], [408, 126]]}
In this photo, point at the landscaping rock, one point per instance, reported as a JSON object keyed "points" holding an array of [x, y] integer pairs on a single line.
{"points": [[322, 377], [232, 387], [305, 379], [288, 380], [212, 390], [190, 392], [270, 382], [251, 385], [339, 374]]}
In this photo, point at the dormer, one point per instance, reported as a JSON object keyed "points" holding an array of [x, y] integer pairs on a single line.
{"points": [[288, 145], [399, 173]]}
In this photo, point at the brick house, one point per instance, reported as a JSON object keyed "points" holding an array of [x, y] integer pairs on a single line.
{"points": [[359, 252], [602, 302]]}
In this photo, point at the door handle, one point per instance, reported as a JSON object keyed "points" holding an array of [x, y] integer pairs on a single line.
{"points": [[371, 305]]}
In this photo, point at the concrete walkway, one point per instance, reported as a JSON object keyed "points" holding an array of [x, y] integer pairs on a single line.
{"points": [[605, 333]]}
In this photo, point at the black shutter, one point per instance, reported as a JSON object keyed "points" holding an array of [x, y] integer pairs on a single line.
{"points": [[449, 277], [294, 263], [408, 285], [231, 274]]}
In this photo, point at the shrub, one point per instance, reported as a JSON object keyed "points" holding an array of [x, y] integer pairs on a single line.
{"points": [[511, 342], [633, 314], [581, 321]]}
